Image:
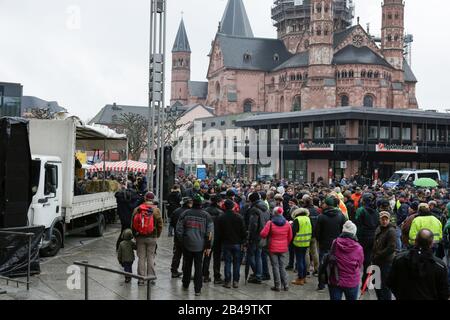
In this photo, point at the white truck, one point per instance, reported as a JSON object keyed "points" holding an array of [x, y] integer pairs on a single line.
{"points": [[54, 204]]}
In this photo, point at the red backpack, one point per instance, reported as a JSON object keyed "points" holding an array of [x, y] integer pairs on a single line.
{"points": [[143, 221]]}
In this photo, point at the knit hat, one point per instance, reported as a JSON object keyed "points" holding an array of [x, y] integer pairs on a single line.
{"points": [[385, 214], [149, 196], [253, 197], [197, 199], [229, 204], [330, 201], [278, 211], [350, 227]]}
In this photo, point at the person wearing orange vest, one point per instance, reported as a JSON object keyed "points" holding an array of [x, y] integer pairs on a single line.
{"points": [[356, 197]]}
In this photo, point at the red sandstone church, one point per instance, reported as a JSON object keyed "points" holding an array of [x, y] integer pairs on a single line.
{"points": [[318, 61]]}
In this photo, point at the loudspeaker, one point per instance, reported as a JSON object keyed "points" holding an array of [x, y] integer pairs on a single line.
{"points": [[169, 172], [15, 173]]}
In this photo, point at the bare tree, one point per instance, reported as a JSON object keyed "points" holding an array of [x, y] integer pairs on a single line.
{"points": [[41, 113], [135, 127], [170, 127]]}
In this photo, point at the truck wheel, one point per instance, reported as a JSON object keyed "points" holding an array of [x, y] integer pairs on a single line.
{"points": [[54, 246], [99, 229]]}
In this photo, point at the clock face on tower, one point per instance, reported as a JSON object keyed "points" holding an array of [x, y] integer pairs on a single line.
{"points": [[358, 40]]}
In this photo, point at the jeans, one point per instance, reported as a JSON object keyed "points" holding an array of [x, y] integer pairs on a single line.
{"points": [[255, 261], [322, 254], [312, 254], [190, 258], [146, 251], [291, 255], [127, 267], [280, 277], [265, 263], [216, 253], [337, 292], [300, 253], [399, 243], [384, 293], [232, 255], [176, 259]]}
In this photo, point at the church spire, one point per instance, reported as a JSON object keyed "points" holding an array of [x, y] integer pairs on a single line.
{"points": [[181, 41], [235, 20]]}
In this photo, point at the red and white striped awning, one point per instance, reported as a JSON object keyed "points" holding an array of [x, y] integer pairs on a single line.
{"points": [[120, 166]]}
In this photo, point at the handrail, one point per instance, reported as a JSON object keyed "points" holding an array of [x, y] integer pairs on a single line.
{"points": [[29, 236], [86, 266]]}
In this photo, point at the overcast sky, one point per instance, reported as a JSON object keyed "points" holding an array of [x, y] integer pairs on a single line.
{"points": [[88, 53]]}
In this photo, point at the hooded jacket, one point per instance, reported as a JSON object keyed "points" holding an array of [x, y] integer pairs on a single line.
{"points": [[329, 227], [367, 223], [350, 259], [280, 234], [258, 217], [125, 253], [195, 230], [230, 229], [418, 275]]}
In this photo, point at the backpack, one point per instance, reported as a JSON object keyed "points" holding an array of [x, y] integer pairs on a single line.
{"points": [[143, 221]]}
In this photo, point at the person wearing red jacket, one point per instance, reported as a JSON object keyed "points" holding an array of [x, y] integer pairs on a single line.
{"points": [[279, 232]]}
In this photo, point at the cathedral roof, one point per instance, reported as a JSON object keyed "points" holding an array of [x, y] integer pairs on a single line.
{"points": [[252, 53], [181, 41], [198, 89], [235, 20], [296, 61], [363, 55], [409, 75], [341, 36]]}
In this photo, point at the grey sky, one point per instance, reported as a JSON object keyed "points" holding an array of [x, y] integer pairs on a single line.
{"points": [[105, 59]]}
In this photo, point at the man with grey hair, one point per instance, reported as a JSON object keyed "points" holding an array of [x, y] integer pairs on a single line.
{"points": [[417, 274]]}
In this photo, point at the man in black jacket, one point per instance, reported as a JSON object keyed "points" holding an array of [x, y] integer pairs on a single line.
{"points": [[177, 246], [173, 200], [215, 212], [231, 233], [127, 200], [417, 274], [329, 227], [259, 216]]}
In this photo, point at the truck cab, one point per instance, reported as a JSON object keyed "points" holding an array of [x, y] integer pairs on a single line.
{"points": [[46, 205]]}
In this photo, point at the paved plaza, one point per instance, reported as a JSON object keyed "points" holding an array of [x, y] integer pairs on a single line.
{"points": [[51, 284]]}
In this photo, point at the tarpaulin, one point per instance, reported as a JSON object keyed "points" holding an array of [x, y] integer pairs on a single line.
{"points": [[14, 251]]}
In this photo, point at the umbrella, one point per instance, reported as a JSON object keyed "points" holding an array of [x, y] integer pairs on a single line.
{"points": [[366, 284], [426, 183]]}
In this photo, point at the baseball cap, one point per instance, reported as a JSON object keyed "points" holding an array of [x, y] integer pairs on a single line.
{"points": [[385, 214]]}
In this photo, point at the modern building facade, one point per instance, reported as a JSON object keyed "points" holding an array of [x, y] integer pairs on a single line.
{"points": [[372, 142], [10, 99]]}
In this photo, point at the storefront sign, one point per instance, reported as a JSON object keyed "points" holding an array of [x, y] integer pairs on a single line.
{"points": [[381, 147], [316, 147]]}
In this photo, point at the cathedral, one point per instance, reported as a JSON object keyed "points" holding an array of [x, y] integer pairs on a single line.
{"points": [[320, 60]]}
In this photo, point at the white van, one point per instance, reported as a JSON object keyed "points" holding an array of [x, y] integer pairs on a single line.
{"points": [[413, 174]]}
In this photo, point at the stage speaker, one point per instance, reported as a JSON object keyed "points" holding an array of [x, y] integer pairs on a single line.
{"points": [[15, 173], [169, 172]]}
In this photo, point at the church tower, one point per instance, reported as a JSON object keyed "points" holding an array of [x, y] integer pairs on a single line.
{"points": [[320, 91], [392, 32], [181, 67]]}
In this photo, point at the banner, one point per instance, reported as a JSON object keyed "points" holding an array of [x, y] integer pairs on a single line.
{"points": [[381, 147], [305, 147]]}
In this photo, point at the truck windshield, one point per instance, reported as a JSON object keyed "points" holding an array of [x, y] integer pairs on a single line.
{"points": [[35, 174], [398, 176]]}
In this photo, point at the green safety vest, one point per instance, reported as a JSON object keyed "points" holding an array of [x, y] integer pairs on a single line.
{"points": [[303, 238], [428, 222]]}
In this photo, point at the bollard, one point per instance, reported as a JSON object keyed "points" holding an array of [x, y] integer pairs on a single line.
{"points": [[86, 283], [149, 288], [29, 264]]}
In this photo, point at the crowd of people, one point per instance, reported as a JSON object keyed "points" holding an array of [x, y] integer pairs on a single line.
{"points": [[343, 234]]}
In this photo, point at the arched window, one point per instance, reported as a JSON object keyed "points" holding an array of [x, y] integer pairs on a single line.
{"points": [[363, 73], [297, 103], [281, 104], [389, 37], [344, 74], [370, 74], [368, 101], [299, 77], [345, 101], [248, 106], [273, 80], [292, 77], [376, 75], [305, 76], [217, 90], [338, 75], [351, 74]]}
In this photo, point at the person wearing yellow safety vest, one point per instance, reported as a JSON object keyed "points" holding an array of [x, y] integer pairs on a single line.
{"points": [[426, 220], [302, 230]]}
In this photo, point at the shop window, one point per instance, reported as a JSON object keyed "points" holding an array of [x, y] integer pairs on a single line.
{"points": [[406, 134], [305, 133], [295, 131], [342, 130], [431, 134], [318, 132], [395, 133], [373, 132], [384, 133]]}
